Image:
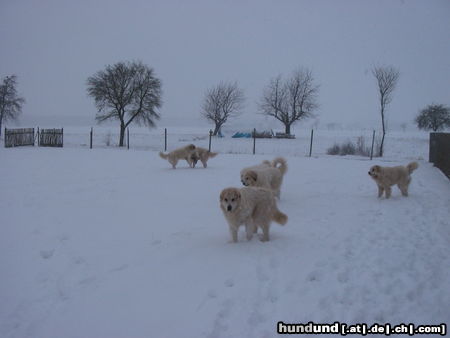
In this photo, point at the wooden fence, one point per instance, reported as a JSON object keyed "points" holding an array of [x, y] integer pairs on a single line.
{"points": [[440, 151], [19, 137], [50, 137]]}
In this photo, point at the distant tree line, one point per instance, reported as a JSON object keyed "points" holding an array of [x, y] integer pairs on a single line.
{"points": [[130, 92]]}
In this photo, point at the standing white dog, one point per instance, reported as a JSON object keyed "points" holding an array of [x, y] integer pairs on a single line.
{"points": [[250, 206], [385, 177], [267, 175], [183, 153]]}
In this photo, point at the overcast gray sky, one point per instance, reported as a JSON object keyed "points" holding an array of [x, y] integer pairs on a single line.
{"points": [[54, 45]]}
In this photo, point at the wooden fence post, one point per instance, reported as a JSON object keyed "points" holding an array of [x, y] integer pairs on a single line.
{"points": [[254, 141], [90, 143], [165, 139], [310, 145], [39, 139], [373, 141], [210, 135], [62, 137], [128, 138]]}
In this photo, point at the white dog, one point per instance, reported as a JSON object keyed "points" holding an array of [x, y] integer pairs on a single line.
{"points": [[385, 177], [250, 206], [203, 155], [183, 153], [267, 175]]}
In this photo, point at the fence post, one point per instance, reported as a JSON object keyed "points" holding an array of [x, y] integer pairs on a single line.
{"points": [[165, 139], [4, 136], [128, 138], [310, 145], [62, 137], [373, 140], [210, 135], [90, 143], [39, 138], [254, 141]]}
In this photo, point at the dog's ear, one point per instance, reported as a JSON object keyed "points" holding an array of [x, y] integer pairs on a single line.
{"points": [[238, 194], [222, 194], [253, 175]]}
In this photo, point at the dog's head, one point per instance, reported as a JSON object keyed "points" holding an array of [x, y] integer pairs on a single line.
{"points": [[375, 171], [190, 147], [249, 178], [230, 199], [194, 158]]}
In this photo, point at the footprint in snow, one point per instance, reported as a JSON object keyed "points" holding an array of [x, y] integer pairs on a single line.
{"points": [[229, 283], [46, 254], [119, 268], [314, 276]]}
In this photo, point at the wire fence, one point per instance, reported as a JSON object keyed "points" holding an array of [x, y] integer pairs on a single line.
{"points": [[306, 142]]}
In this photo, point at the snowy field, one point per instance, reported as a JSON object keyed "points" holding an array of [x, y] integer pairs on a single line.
{"points": [[114, 243]]}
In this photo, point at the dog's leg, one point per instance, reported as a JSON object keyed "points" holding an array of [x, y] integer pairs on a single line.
{"points": [[265, 228], [380, 191], [403, 189], [204, 164], [173, 162], [234, 233], [250, 230], [388, 192]]}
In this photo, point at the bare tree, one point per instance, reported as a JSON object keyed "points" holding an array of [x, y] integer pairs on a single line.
{"points": [[126, 91], [10, 102], [290, 100], [222, 102], [387, 78], [435, 117]]}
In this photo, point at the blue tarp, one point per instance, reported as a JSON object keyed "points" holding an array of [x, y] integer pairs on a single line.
{"points": [[239, 134]]}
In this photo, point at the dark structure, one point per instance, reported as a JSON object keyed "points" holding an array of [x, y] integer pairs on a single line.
{"points": [[51, 137], [440, 151], [19, 137]]}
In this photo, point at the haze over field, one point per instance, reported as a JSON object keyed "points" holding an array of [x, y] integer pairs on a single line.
{"points": [[53, 46]]}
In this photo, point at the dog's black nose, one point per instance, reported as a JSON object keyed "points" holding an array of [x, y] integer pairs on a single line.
{"points": [[229, 208], [368, 172]]}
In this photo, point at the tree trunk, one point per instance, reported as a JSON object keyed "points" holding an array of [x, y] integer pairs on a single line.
{"points": [[287, 128], [1, 126], [122, 134], [381, 145], [384, 131], [216, 129]]}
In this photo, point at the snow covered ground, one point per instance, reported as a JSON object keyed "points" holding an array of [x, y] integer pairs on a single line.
{"points": [[114, 243]]}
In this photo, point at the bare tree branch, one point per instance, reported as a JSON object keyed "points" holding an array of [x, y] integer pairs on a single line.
{"points": [[290, 100], [222, 102], [126, 91], [387, 78], [435, 117], [10, 103]]}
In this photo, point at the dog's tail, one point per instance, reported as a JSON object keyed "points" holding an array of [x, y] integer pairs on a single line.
{"points": [[281, 164], [279, 217], [211, 154], [412, 166], [162, 155]]}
